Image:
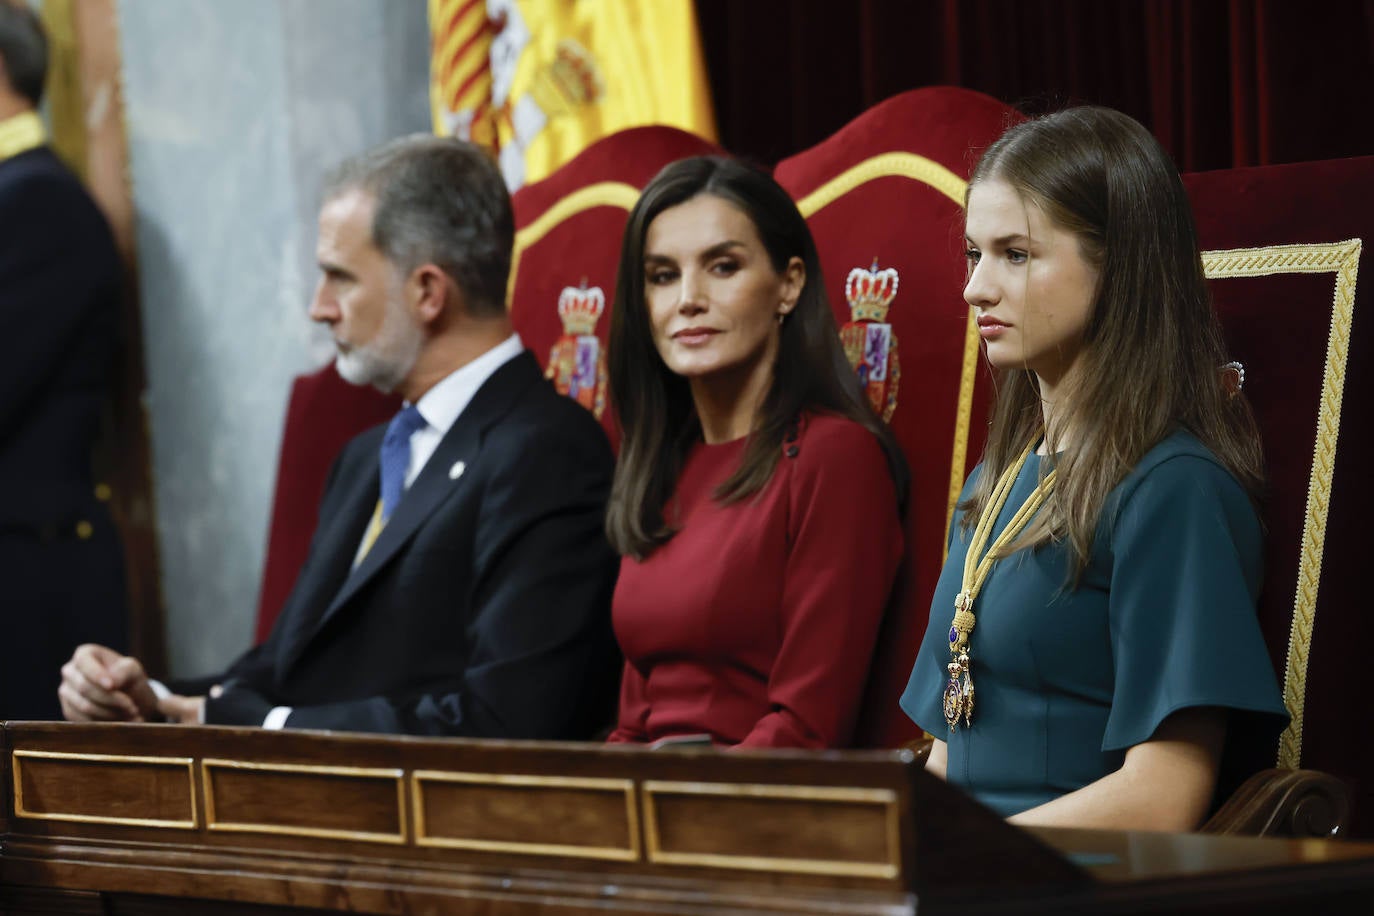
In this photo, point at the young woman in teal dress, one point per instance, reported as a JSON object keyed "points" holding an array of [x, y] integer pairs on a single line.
{"points": [[1094, 627], [757, 498]]}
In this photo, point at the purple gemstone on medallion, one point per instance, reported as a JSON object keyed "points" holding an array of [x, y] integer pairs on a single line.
{"points": [[953, 635]]}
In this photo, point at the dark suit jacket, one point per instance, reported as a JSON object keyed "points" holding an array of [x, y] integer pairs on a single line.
{"points": [[483, 609], [59, 307]]}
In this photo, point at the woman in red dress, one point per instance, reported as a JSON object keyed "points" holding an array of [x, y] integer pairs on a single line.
{"points": [[757, 501]]}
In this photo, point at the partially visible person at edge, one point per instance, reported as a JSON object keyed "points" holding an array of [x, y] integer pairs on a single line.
{"points": [[1105, 559], [459, 579], [60, 556], [757, 499]]}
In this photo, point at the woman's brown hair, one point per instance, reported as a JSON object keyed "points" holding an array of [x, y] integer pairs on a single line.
{"points": [[654, 405], [1152, 351]]}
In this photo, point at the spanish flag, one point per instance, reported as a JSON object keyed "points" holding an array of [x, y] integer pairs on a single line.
{"points": [[537, 81]]}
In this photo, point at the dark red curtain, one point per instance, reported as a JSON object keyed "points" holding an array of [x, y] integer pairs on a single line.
{"points": [[1222, 83]]}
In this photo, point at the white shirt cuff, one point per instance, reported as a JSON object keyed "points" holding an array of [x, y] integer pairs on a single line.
{"points": [[276, 719]]}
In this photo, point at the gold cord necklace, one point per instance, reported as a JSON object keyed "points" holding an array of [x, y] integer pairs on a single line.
{"points": [[958, 697]]}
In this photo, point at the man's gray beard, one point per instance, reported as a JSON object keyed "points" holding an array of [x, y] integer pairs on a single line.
{"points": [[385, 361], [363, 366]]}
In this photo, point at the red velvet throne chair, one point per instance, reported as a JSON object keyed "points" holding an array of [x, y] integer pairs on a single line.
{"points": [[884, 199], [1283, 247], [567, 247]]}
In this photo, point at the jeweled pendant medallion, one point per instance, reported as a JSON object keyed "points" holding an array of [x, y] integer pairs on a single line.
{"points": [[953, 691]]}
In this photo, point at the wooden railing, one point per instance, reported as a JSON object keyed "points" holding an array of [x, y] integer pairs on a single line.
{"points": [[162, 819]]}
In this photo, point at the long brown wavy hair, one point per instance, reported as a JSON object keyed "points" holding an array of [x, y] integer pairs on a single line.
{"points": [[657, 416], [1152, 352]]}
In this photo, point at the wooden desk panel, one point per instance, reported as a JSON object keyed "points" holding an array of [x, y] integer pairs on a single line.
{"points": [[305, 800], [166, 819], [538, 815], [104, 789]]}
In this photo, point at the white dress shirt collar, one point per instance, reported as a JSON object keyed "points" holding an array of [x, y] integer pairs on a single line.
{"points": [[442, 404]]}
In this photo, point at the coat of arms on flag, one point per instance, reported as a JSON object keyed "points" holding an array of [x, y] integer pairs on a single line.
{"points": [[536, 81]]}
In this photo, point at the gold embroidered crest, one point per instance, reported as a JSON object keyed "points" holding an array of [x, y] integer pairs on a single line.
{"points": [[577, 361], [868, 339]]}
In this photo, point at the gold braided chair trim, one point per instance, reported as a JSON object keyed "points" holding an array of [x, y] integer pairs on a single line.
{"points": [[932, 173], [1342, 259], [601, 194]]}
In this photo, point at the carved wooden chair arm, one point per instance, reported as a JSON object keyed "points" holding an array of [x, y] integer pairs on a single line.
{"points": [[1285, 803], [920, 747]]}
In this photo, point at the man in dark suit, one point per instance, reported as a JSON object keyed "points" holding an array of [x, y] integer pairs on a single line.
{"points": [[60, 560], [459, 582]]}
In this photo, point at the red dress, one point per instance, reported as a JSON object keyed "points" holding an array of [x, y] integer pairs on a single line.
{"points": [[756, 623]]}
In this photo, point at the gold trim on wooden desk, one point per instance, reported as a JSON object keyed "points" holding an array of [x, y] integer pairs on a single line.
{"points": [[624, 788], [654, 790], [104, 761], [214, 822]]}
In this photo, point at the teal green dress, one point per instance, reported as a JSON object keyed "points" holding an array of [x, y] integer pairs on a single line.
{"points": [[1068, 678]]}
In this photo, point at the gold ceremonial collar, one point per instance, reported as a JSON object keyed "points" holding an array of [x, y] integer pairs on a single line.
{"points": [[21, 133]]}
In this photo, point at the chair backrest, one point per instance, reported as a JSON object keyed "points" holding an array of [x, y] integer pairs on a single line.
{"points": [[1283, 246], [886, 194], [323, 413], [567, 247]]}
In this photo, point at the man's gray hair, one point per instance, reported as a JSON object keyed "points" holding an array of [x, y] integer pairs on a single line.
{"points": [[23, 50], [438, 201]]}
